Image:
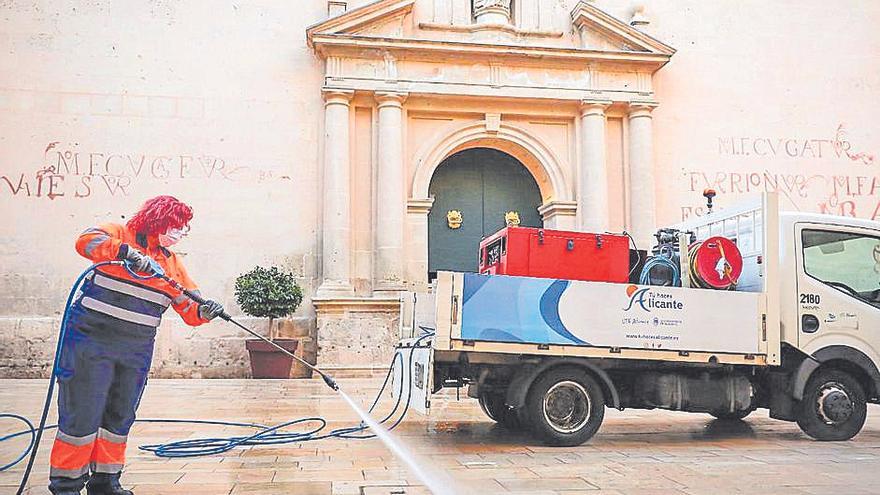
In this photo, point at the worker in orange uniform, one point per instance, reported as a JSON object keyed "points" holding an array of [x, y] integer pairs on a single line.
{"points": [[109, 340]]}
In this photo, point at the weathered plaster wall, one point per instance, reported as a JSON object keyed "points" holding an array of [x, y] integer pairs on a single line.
{"points": [[104, 104], [768, 96]]}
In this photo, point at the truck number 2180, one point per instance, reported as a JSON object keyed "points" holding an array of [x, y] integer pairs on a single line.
{"points": [[809, 298]]}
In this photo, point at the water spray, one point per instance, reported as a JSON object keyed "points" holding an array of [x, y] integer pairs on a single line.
{"points": [[434, 481]]}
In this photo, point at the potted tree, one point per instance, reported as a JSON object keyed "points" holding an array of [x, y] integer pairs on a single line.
{"points": [[268, 293]]}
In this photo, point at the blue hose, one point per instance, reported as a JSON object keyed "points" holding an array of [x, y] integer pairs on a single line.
{"points": [[657, 261], [30, 430], [266, 435]]}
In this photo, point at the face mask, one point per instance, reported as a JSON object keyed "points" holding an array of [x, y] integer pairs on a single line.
{"points": [[171, 237]]}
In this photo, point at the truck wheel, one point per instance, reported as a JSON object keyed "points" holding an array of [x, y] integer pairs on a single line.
{"points": [[833, 407], [493, 405], [565, 406]]}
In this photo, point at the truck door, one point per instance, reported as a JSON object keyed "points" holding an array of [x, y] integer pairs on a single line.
{"points": [[838, 287]]}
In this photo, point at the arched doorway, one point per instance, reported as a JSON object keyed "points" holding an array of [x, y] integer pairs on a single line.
{"points": [[483, 184]]}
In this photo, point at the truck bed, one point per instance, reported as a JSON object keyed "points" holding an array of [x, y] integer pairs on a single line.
{"points": [[522, 315]]}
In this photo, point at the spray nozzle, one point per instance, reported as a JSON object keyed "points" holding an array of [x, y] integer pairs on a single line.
{"points": [[330, 382]]}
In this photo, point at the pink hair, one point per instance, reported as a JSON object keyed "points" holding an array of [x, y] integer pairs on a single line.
{"points": [[159, 214]]}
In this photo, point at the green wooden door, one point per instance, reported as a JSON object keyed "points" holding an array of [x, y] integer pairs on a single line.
{"points": [[483, 184]]}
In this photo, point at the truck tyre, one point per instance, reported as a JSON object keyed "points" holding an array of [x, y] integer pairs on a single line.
{"points": [[833, 407], [493, 405], [565, 406]]}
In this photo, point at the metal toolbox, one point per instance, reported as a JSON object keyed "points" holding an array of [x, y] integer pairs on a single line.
{"points": [[545, 253]]}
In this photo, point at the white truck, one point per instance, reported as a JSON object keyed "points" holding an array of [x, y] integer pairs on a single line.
{"points": [[799, 336]]}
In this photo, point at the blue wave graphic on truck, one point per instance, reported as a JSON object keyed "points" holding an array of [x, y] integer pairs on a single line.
{"points": [[514, 309]]}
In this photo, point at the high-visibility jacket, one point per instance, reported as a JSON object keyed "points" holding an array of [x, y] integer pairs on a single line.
{"points": [[136, 305], [107, 352]]}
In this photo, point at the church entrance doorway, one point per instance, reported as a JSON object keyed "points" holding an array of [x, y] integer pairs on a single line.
{"points": [[474, 192]]}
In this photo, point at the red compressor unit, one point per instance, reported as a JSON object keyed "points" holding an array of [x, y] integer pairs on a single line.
{"points": [[544, 253]]}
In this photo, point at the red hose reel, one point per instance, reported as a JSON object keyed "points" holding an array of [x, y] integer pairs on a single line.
{"points": [[715, 263]]}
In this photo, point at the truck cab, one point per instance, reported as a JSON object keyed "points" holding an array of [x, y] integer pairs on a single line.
{"points": [[830, 311]]}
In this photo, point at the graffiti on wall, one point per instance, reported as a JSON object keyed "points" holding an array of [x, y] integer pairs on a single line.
{"points": [[824, 175], [69, 172], [837, 146]]}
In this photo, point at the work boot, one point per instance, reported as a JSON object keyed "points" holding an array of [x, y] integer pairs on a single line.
{"points": [[106, 484], [59, 485]]}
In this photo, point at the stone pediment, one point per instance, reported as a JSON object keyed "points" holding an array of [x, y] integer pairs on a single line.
{"points": [[382, 18], [382, 46], [602, 31], [388, 26]]}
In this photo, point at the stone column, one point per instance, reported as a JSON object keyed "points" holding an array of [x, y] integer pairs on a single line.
{"points": [[417, 210], [391, 200], [593, 185], [641, 172], [336, 195]]}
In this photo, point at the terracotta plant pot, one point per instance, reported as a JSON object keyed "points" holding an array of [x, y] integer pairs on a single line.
{"points": [[269, 362]]}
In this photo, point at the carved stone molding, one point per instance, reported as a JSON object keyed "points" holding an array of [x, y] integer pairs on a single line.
{"points": [[557, 208], [493, 122], [325, 305], [419, 206], [474, 28]]}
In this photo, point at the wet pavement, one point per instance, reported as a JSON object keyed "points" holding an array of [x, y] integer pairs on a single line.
{"points": [[635, 452]]}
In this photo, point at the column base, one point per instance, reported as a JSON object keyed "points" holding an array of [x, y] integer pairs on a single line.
{"points": [[332, 288], [356, 333]]}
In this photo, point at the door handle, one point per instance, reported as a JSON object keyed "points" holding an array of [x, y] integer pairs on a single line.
{"points": [[809, 323]]}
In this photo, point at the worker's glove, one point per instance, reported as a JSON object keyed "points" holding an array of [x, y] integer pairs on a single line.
{"points": [[210, 310], [142, 263]]}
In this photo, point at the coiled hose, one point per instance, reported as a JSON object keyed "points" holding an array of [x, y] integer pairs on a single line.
{"points": [[265, 435], [665, 258]]}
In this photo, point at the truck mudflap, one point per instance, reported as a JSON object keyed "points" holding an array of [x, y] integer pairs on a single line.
{"points": [[413, 375]]}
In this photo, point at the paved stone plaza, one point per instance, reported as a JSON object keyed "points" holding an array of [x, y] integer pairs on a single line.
{"points": [[635, 452]]}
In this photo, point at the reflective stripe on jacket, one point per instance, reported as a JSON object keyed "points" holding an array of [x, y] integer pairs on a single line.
{"points": [[112, 291]]}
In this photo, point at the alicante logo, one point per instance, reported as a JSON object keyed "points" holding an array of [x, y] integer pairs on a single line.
{"points": [[648, 300]]}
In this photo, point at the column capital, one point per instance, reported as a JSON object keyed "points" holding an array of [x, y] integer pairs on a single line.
{"points": [[419, 206], [555, 208], [594, 107], [641, 108], [337, 96], [390, 98]]}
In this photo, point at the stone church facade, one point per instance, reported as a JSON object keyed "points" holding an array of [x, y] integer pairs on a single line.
{"points": [[407, 86], [364, 145]]}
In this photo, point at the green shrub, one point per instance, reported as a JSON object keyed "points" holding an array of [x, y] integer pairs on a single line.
{"points": [[267, 293]]}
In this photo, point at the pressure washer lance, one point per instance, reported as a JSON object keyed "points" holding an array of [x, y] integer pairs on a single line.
{"points": [[225, 316]]}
